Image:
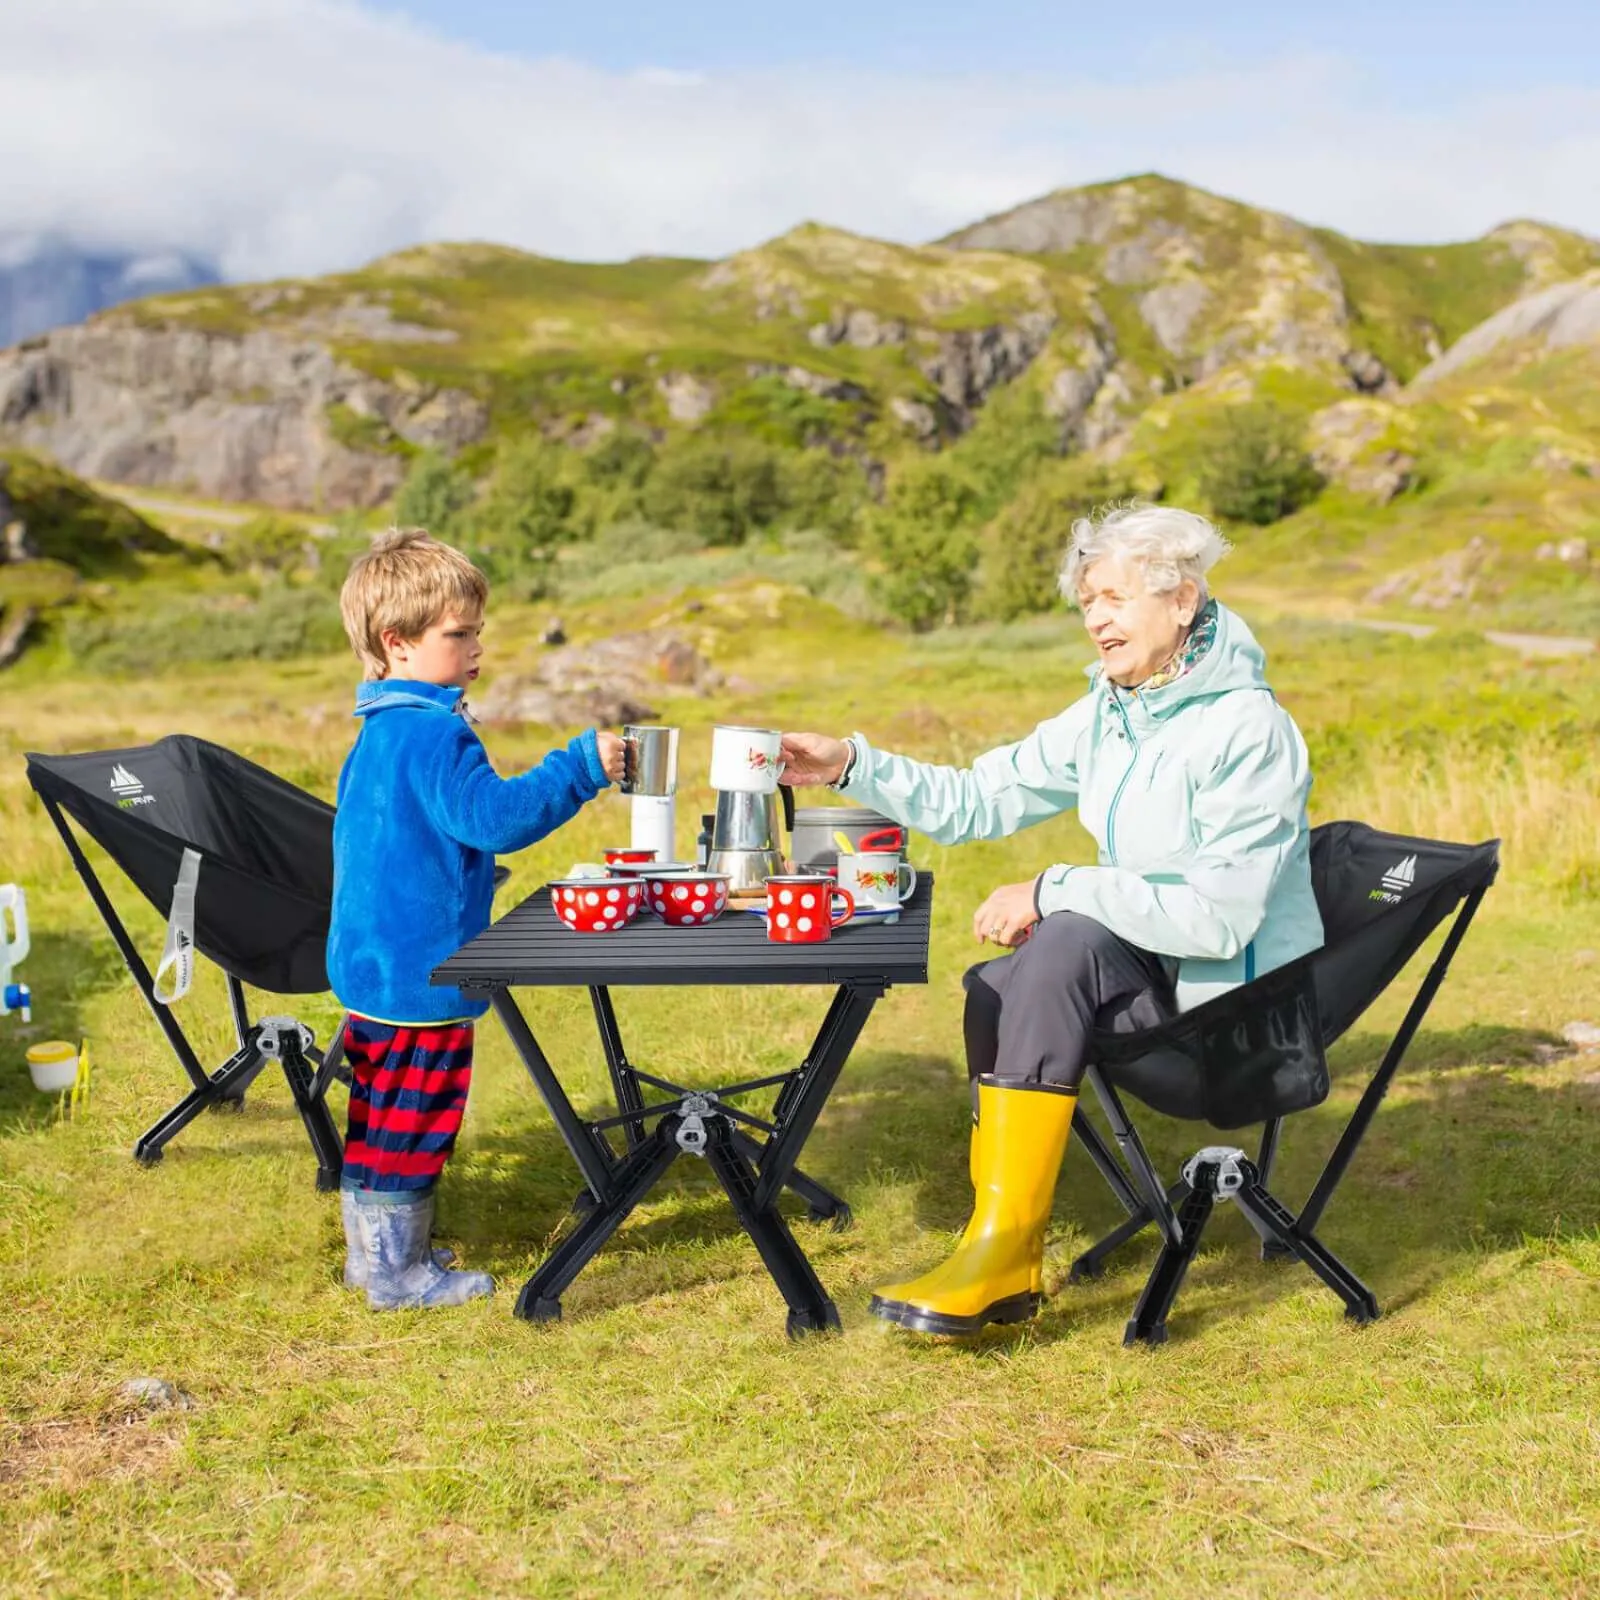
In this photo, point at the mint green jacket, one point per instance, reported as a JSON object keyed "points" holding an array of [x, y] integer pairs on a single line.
{"points": [[1195, 794]]}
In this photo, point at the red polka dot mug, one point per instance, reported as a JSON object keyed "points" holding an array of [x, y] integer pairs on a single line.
{"points": [[802, 910]]}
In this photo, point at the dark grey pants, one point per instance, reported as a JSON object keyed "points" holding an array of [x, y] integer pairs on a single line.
{"points": [[1030, 1014]]}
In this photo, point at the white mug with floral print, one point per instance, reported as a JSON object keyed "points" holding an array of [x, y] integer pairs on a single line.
{"points": [[745, 759], [877, 879]]}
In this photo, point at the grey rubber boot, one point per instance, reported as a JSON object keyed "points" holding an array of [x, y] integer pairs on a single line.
{"points": [[401, 1271], [356, 1270]]}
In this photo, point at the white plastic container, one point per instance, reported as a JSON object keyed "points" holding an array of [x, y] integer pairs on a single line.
{"points": [[53, 1065]]}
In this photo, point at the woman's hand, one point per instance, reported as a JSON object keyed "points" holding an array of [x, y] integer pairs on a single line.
{"points": [[810, 759], [1007, 916], [611, 755]]}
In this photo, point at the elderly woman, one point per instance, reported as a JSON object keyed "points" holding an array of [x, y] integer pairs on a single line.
{"points": [[1193, 781]]}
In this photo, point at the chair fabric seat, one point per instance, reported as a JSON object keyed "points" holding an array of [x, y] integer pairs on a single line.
{"points": [[1259, 1051]]}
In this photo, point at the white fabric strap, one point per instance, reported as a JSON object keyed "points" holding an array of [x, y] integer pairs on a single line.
{"points": [[177, 956]]}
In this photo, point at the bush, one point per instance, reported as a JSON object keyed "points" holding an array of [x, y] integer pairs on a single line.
{"points": [[434, 496], [925, 544], [620, 462], [1023, 547], [269, 544], [723, 489], [282, 622], [1255, 467], [513, 533]]}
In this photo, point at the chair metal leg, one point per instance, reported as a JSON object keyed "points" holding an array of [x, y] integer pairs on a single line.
{"points": [[225, 1085], [1092, 1262], [1148, 1324], [1137, 1157], [1086, 1135], [1276, 1222]]}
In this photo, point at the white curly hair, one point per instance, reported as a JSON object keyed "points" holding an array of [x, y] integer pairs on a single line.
{"points": [[1164, 542]]}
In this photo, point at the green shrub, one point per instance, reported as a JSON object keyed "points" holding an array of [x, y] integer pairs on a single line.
{"points": [[620, 462], [723, 489], [925, 543], [269, 544], [1023, 547], [282, 622], [1254, 467], [435, 495], [527, 514]]}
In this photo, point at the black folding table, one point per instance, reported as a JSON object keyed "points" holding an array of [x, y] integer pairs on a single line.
{"points": [[532, 947]]}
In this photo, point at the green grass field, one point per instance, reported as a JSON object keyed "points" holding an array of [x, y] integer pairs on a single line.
{"points": [[666, 1438]]}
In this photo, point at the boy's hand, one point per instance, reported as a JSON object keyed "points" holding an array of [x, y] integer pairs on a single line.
{"points": [[611, 755]]}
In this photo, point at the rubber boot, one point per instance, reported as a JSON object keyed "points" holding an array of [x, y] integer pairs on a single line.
{"points": [[401, 1271], [997, 1269], [356, 1270]]}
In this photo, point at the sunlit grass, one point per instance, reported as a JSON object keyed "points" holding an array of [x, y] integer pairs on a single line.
{"points": [[666, 1438]]}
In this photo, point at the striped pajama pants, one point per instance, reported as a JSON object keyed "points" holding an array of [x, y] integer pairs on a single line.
{"points": [[408, 1090]]}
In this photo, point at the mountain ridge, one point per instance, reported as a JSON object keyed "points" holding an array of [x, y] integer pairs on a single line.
{"points": [[314, 393]]}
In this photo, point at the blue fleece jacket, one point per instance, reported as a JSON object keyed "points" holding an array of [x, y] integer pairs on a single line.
{"points": [[420, 816]]}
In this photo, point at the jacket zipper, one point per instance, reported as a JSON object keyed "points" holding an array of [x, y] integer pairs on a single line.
{"points": [[1133, 761]]}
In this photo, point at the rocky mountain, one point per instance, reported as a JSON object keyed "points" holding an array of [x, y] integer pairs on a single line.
{"points": [[48, 282], [1102, 309]]}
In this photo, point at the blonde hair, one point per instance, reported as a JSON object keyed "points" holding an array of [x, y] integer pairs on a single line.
{"points": [[407, 580], [1164, 542]]}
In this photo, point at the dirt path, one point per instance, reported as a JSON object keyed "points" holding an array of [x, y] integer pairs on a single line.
{"points": [[222, 516], [1530, 644]]}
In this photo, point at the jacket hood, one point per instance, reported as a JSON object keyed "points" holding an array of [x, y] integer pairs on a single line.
{"points": [[1234, 661], [386, 694]]}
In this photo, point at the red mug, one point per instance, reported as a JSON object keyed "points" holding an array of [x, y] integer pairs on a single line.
{"points": [[800, 910]]}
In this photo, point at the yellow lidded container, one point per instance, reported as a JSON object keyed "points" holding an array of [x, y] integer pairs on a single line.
{"points": [[53, 1065]]}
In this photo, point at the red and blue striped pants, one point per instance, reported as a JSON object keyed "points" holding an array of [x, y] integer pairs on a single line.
{"points": [[408, 1090]]}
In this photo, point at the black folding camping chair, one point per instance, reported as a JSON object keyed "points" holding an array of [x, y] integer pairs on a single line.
{"points": [[242, 861], [1258, 1054]]}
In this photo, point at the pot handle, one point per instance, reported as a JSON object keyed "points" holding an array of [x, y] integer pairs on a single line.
{"points": [[788, 807], [882, 839]]}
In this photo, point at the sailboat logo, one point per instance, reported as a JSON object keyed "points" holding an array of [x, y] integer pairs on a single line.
{"points": [[1402, 875], [128, 789]]}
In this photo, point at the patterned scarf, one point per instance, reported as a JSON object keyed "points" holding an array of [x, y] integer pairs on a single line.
{"points": [[1201, 636]]}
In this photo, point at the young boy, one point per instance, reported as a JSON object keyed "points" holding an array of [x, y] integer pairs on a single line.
{"points": [[421, 814]]}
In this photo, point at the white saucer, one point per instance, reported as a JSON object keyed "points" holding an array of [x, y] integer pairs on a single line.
{"points": [[865, 914]]}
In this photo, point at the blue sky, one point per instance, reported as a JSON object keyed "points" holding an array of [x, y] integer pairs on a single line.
{"points": [[282, 137], [1433, 50]]}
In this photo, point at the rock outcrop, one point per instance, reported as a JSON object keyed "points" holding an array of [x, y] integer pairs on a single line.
{"points": [[1556, 318], [254, 416]]}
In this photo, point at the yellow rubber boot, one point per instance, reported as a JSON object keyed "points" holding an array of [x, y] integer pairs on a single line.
{"points": [[995, 1273]]}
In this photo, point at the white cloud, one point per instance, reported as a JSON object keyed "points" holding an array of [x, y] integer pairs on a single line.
{"points": [[287, 136]]}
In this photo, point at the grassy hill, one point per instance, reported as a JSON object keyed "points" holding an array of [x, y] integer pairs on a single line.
{"points": [[942, 409]]}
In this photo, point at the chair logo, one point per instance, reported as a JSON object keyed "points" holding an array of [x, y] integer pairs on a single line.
{"points": [[1400, 877], [128, 789]]}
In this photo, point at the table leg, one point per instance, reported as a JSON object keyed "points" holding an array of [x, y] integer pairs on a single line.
{"points": [[810, 1309], [589, 1149], [624, 1084], [634, 1176], [825, 1205], [847, 1016]]}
